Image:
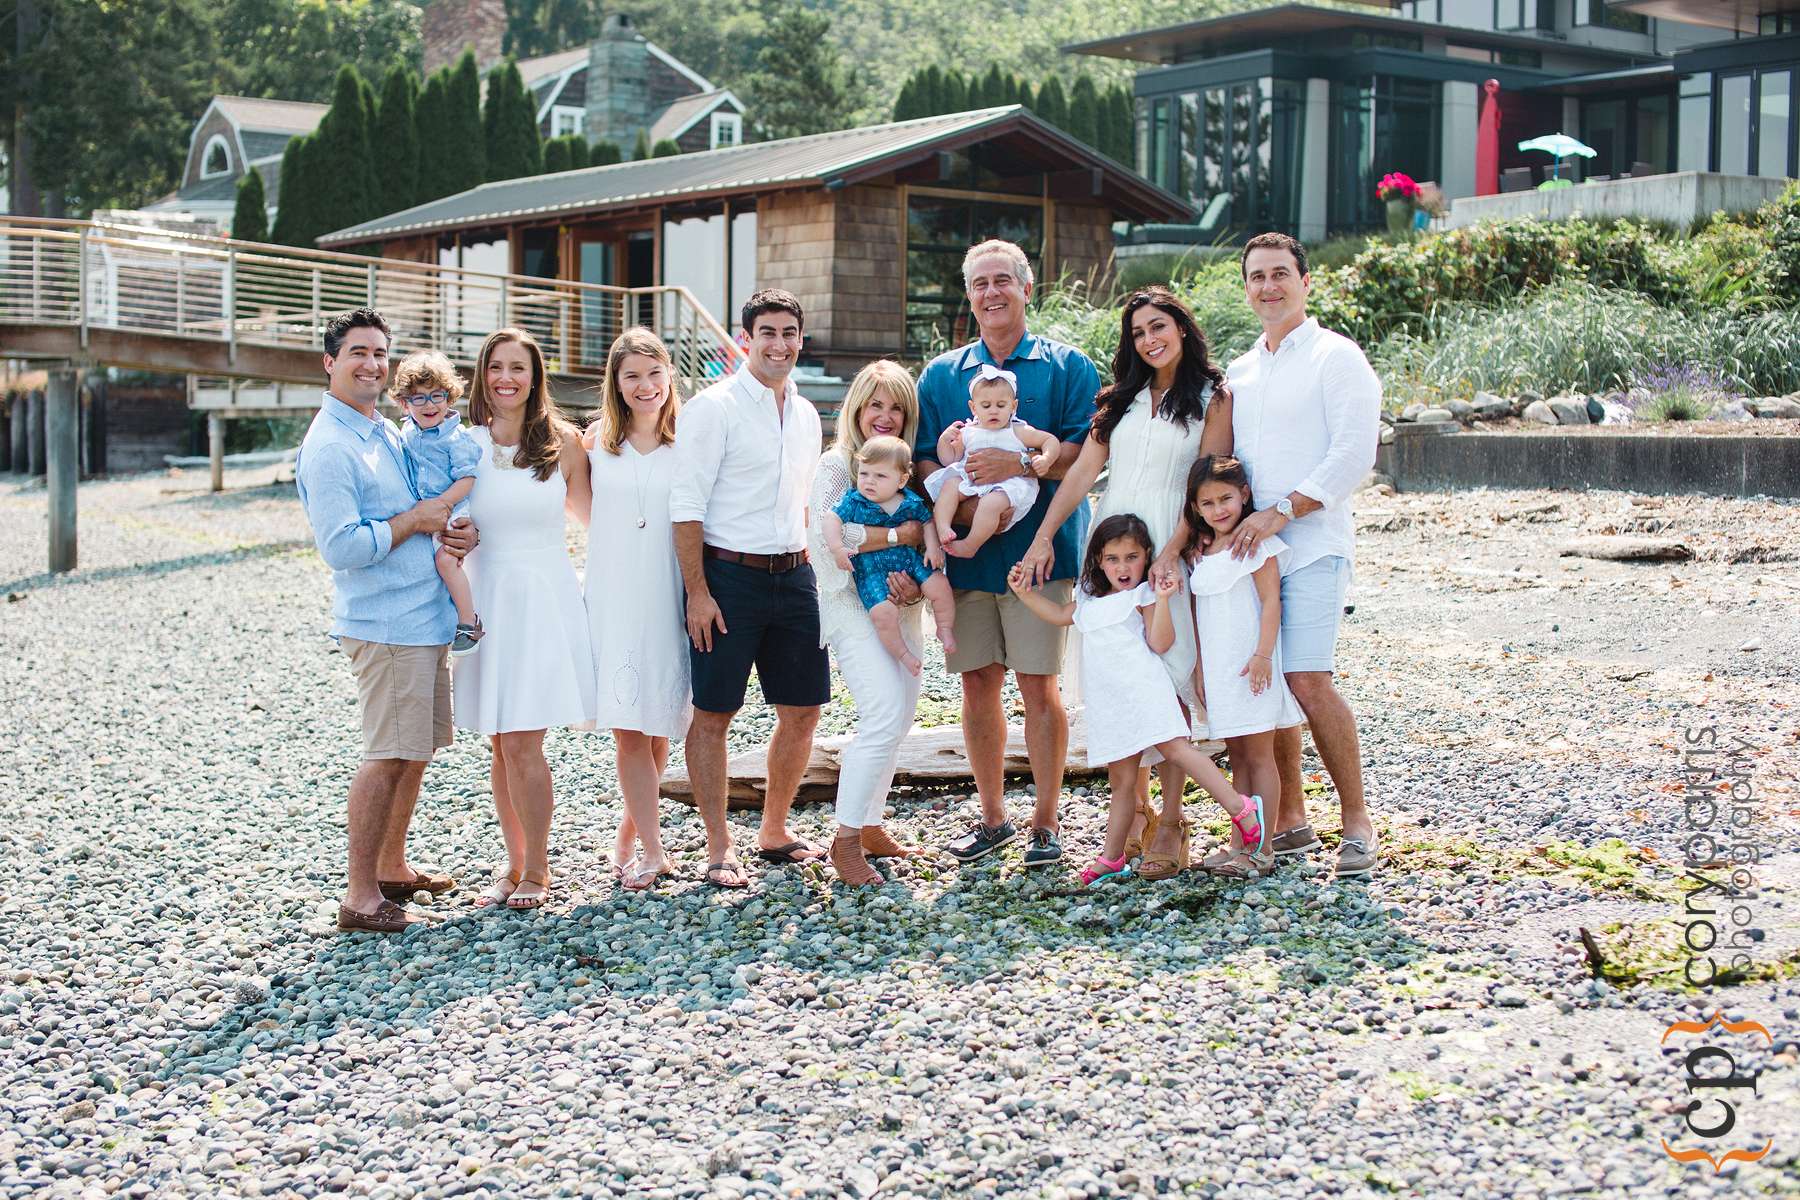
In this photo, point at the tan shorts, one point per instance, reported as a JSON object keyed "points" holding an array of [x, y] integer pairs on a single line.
{"points": [[404, 694], [994, 628]]}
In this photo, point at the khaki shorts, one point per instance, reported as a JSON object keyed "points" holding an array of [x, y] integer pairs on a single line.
{"points": [[404, 694], [994, 628]]}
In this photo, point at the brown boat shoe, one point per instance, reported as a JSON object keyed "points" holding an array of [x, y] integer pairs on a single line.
{"points": [[400, 891], [388, 917]]}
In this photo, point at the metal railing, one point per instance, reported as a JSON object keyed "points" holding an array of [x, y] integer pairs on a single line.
{"points": [[88, 275]]}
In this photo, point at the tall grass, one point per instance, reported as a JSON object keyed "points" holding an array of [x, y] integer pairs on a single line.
{"points": [[1574, 337]]}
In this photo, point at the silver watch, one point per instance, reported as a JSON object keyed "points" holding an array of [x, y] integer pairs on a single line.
{"points": [[1025, 459], [1285, 507]]}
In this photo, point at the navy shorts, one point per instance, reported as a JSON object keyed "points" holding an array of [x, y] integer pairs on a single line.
{"points": [[772, 624]]}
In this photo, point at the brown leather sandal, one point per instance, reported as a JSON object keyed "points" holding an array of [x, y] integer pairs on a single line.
{"points": [[518, 903], [1135, 842], [492, 896], [848, 860], [1158, 866]]}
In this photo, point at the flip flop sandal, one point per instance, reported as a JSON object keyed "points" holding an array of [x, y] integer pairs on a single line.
{"points": [[493, 896], [716, 872], [642, 879], [520, 903], [789, 854]]}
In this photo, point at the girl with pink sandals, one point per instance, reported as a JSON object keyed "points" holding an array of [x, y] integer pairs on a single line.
{"points": [[1132, 709]]}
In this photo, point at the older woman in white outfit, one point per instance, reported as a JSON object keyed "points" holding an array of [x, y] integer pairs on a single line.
{"points": [[1166, 406], [533, 668], [882, 402], [636, 613]]}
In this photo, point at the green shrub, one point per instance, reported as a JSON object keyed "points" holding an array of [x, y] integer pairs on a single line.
{"points": [[1214, 291], [1779, 222], [1576, 337]]}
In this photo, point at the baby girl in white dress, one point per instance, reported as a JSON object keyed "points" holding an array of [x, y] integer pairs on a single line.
{"points": [[993, 405]]}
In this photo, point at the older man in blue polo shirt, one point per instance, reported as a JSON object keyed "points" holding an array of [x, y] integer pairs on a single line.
{"points": [[390, 611], [994, 632]]}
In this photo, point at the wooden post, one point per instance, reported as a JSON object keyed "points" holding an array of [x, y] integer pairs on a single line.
{"points": [[97, 424], [63, 443], [215, 449], [21, 433], [34, 427]]}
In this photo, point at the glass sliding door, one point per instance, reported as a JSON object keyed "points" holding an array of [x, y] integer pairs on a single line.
{"points": [[1380, 124], [1775, 126], [1734, 125]]}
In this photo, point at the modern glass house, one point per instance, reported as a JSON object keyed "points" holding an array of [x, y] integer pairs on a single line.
{"points": [[1286, 117]]}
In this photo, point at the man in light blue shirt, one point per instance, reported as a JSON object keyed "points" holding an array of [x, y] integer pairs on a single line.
{"points": [[390, 611]]}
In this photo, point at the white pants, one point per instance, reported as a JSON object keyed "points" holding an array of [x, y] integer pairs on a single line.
{"points": [[886, 696]]}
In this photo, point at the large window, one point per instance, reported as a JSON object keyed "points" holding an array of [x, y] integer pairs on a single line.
{"points": [[1379, 124], [1233, 151], [1625, 131], [1599, 12], [939, 231], [1694, 150], [1734, 125], [1775, 123]]}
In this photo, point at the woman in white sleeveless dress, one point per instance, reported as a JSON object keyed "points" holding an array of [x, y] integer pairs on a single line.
{"points": [[634, 597], [533, 668], [882, 402], [1166, 407]]}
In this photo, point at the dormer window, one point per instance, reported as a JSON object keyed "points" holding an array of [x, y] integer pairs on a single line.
{"points": [[727, 129], [216, 160]]}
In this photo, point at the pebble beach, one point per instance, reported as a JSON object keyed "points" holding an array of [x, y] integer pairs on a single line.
{"points": [[179, 1016]]}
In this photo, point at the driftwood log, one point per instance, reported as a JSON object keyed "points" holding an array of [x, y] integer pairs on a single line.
{"points": [[928, 758], [1622, 548]]}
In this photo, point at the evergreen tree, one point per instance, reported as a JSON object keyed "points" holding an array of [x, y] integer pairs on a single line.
{"points": [[1052, 104], [464, 136], [250, 219], [1120, 122], [1018, 91], [955, 97], [439, 162], [932, 85], [556, 156], [578, 151], [287, 210], [1084, 111], [993, 88], [907, 102], [340, 168], [665, 148], [396, 142], [509, 126], [604, 154], [800, 85]]}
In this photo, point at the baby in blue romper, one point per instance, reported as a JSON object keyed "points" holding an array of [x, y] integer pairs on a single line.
{"points": [[443, 458], [880, 501]]}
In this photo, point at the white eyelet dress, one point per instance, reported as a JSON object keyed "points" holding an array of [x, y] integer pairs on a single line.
{"points": [[1136, 706], [1147, 465], [636, 613], [534, 669], [1230, 619]]}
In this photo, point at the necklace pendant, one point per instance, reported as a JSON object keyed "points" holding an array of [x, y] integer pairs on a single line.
{"points": [[640, 522]]}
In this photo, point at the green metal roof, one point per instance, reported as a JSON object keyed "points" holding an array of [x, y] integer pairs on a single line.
{"points": [[830, 160]]}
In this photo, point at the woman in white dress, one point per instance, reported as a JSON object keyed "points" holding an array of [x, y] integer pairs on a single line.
{"points": [[634, 597], [534, 669], [1166, 407], [882, 402]]}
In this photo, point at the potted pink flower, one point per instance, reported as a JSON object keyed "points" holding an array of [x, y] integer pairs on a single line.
{"points": [[1401, 192]]}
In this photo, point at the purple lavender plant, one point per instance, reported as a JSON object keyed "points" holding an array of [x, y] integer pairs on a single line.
{"points": [[1677, 392]]}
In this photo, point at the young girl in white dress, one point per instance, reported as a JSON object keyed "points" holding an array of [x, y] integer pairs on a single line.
{"points": [[1131, 703], [535, 669], [994, 407], [1237, 608], [634, 598]]}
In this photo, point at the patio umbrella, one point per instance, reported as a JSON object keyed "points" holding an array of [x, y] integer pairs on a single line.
{"points": [[1559, 146]]}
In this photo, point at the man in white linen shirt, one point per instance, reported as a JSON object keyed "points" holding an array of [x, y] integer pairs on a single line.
{"points": [[745, 451], [1305, 421]]}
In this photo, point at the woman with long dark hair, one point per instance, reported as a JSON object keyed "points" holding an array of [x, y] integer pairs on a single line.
{"points": [[534, 669], [1167, 405]]}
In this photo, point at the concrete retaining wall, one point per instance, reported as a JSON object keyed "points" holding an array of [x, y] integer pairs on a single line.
{"points": [[1677, 199], [1707, 466]]}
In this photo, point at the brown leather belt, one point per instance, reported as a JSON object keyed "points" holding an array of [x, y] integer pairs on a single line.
{"points": [[774, 564]]}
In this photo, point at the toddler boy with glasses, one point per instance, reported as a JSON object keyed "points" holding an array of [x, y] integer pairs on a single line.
{"points": [[443, 457]]}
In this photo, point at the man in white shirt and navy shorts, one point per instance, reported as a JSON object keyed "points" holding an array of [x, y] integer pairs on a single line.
{"points": [[1305, 421], [745, 452]]}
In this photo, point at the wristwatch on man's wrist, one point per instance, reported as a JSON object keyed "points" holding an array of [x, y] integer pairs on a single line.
{"points": [[893, 536], [1285, 507], [1025, 459]]}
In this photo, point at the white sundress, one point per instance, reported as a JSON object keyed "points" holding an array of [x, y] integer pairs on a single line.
{"points": [[1020, 490], [1229, 615], [636, 613], [1131, 704], [533, 669]]}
